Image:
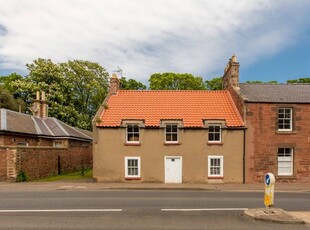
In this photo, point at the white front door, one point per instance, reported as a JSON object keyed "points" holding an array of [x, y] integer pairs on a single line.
{"points": [[173, 169]]}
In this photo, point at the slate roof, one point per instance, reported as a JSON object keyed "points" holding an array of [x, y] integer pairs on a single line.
{"points": [[152, 106], [11, 121], [276, 93]]}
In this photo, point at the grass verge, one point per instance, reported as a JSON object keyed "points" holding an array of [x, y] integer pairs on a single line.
{"points": [[88, 174]]}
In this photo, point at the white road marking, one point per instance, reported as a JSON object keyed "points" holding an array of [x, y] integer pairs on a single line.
{"points": [[202, 209], [61, 210]]}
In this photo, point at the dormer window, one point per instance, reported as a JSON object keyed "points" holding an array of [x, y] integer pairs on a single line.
{"points": [[171, 133], [214, 133], [133, 133]]}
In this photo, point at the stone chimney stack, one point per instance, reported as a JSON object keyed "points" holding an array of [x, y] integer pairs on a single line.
{"points": [[44, 106], [39, 107], [114, 84], [231, 73]]}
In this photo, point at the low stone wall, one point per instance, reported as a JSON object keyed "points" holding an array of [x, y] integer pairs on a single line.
{"points": [[41, 162]]}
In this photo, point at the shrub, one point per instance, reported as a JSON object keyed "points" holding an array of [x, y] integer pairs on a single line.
{"points": [[21, 177]]}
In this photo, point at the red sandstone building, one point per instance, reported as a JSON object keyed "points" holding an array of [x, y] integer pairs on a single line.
{"points": [[277, 118], [40, 146]]}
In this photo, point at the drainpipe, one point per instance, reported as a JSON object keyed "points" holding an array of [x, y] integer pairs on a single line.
{"points": [[243, 156]]}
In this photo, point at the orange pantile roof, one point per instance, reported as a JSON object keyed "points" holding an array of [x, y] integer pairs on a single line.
{"points": [[152, 106]]}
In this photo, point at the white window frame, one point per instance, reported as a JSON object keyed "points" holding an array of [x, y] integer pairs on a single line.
{"points": [[133, 133], [221, 174], [22, 144], [138, 166], [290, 119], [58, 144], [220, 133], [171, 133], [289, 160]]}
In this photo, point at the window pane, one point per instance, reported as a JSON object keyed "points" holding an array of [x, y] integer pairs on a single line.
{"points": [[136, 137], [174, 137], [171, 133], [285, 161]]}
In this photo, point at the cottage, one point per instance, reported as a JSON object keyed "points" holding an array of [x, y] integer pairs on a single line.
{"points": [[168, 137], [277, 118], [40, 146]]}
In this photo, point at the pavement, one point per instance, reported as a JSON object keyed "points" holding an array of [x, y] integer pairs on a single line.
{"points": [[263, 214]]}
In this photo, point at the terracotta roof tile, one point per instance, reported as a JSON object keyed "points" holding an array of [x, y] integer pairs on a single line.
{"points": [[152, 106]]}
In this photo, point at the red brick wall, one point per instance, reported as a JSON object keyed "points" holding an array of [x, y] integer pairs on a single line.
{"points": [[262, 122], [3, 170], [10, 140], [40, 162]]}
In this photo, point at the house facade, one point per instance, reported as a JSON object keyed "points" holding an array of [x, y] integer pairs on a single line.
{"points": [[277, 118], [40, 146], [168, 137]]}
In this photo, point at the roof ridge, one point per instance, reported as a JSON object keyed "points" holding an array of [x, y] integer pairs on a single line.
{"points": [[173, 91], [244, 83]]}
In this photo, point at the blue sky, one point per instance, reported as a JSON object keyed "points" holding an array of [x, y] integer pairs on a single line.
{"points": [[270, 38]]}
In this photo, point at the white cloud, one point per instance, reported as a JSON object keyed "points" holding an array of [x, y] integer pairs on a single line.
{"points": [[143, 37]]}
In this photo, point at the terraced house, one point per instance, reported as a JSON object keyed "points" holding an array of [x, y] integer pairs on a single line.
{"points": [[277, 118], [168, 136]]}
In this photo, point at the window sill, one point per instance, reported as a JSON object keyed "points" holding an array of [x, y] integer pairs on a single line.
{"points": [[132, 178], [286, 177], [286, 132], [172, 143], [132, 144], [215, 143], [215, 177]]}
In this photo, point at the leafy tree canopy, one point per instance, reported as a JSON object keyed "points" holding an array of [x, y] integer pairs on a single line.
{"points": [[299, 80], [175, 81], [5, 81], [214, 84], [131, 84], [261, 82], [75, 89], [7, 101]]}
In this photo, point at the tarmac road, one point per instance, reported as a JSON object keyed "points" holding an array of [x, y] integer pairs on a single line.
{"points": [[80, 208]]}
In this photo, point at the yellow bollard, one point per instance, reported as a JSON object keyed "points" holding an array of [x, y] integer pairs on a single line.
{"points": [[269, 190]]}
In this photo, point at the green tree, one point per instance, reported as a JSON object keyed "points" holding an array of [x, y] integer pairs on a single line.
{"points": [[214, 84], [175, 81], [254, 82], [7, 101], [74, 89], [305, 80], [131, 84], [272, 82], [88, 83], [6, 81]]}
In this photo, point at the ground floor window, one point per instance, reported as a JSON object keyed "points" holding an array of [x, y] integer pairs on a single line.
{"points": [[215, 166], [285, 161], [132, 167]]}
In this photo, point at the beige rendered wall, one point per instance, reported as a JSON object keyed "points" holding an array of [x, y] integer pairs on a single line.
{"points": [[110, 151]]}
